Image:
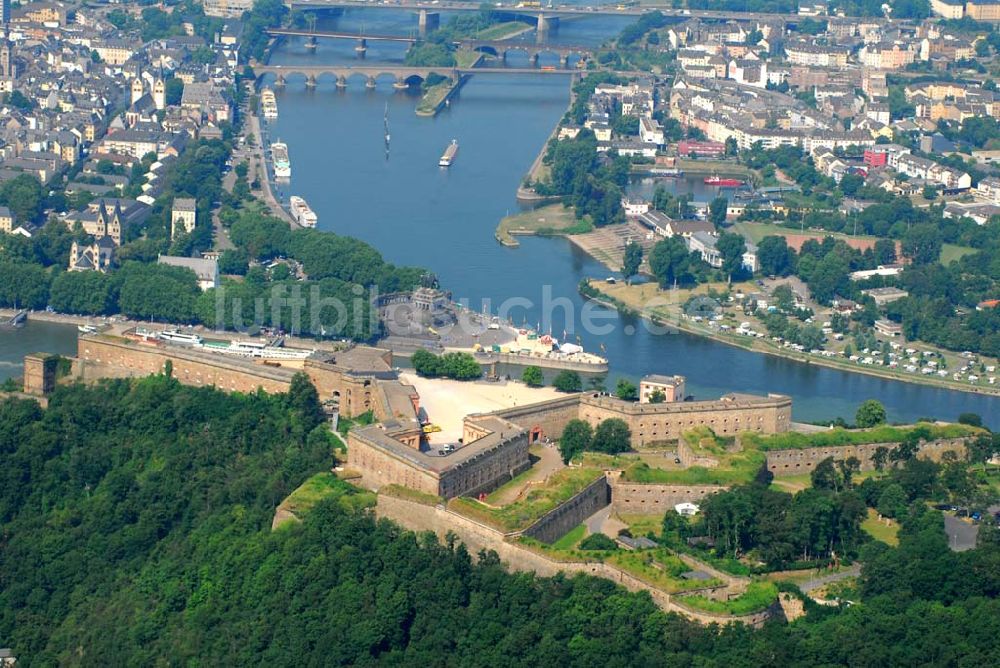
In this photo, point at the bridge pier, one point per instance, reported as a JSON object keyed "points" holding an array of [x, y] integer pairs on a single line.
{"points": [[545, 24], [362, 48], [534, 60], [341, 82], [428, 21], [280, 81], [370, 84], [400, 84], [311, 44], [311, 81], [564, 61]]}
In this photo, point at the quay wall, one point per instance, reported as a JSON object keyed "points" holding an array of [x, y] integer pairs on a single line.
{"points": [[561, 520], [804, 460], [418, 517]]}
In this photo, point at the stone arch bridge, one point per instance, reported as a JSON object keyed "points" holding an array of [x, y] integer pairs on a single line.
{"points": [[401, 76]]}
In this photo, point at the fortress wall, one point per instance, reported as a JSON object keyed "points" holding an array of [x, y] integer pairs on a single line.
{"points": [[550, 417], [103, 357], [643, 498], [418, 517], [558, 522], [378, 468], [804, 460], [655, 423]]}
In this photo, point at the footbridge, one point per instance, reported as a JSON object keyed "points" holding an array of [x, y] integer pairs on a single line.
{"points": [[400, 75]]}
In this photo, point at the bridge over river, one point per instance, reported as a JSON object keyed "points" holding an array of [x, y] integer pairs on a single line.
{"points": [[493, 47], [545, 17], [402, 76]]}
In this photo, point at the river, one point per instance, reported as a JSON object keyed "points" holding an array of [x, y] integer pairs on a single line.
{"points": [[418, 214]]}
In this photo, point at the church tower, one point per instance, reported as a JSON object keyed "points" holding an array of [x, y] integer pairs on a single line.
{"points": [[137, 90], [160, 93]]}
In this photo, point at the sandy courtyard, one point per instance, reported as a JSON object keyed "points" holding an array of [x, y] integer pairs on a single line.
{"points": [[447, 402]]}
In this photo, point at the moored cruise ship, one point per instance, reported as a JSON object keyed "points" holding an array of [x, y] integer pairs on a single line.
{"points": [[268, 103], [256, 349], [282, 165], [301, 212]]}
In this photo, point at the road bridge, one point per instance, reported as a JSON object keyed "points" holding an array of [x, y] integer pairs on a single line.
{"points": [[402, 76], [494, 47], [543, 14]]}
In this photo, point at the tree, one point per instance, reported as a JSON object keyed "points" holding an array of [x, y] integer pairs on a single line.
{"points": [[929, 192], [922, 243], [717, 211], [532, 376], [775, 257], [626, 390], [824, 476], [892, 502], [971, 419], [576, 437], [303, 399], [633, 258], [23, 195], [657, 397], [732, 247], [612, 436], [671, 262], [567, 381], [870, 414], [173, 91], [598, 541], [885, 251]]}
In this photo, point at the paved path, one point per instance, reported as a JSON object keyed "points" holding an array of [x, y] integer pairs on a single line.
{"points": [[822, 580], [219, 232], [961, 533]]}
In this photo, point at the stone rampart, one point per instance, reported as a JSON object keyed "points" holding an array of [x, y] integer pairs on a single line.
{"points": [[657, 423], [803, 460], [441, 521], [101, 356], [561, 520], [545, 418], [656, 499]]}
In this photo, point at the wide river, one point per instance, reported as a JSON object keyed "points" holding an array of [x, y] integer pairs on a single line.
{"points": [[416, 213]]}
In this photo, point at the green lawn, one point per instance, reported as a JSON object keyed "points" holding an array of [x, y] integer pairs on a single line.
{"points": [[879, 530], [570, 540], [561, 486], [322, 486], [951, 252], [503, 30]]}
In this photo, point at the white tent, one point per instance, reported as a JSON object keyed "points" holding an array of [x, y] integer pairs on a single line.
{"points": [[687, 509]]}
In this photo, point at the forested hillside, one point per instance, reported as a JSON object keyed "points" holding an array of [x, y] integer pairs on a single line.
{"points": [[136, 531]]}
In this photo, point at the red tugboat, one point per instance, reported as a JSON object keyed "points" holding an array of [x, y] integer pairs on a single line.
{"points": [[716, 180]]}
